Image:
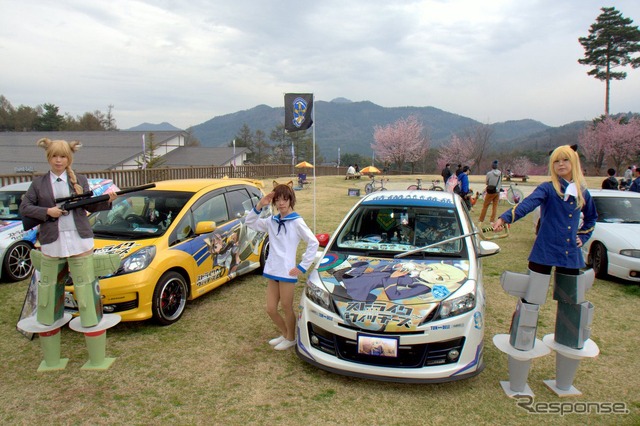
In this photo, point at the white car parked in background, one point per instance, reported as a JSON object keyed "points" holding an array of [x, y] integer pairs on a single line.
{"points": [[614, 247]]}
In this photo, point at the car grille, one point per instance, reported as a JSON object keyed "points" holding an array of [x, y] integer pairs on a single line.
{"points": [[409, 356]]}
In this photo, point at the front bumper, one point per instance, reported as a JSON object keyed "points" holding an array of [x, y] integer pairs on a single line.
{"points": [[324, 340]]}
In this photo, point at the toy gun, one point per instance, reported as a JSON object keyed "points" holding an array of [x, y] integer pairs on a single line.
{"points": [[76, 201], [484, 230]]}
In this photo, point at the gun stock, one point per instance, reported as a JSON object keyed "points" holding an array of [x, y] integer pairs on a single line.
{"points": [[81, 200]]}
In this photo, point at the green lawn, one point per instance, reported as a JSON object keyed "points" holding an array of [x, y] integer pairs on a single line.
{"points": [[215, 367]]}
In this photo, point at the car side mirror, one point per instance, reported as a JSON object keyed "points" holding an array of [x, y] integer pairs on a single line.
{"points": [[205, 227], [488, 248]]}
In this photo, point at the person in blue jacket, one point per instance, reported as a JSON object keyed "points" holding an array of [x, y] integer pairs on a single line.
{"points": [[561, 200], [464, 185]]}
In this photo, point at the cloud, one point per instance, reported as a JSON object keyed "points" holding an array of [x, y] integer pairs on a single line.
{"points": [[186, 62]]}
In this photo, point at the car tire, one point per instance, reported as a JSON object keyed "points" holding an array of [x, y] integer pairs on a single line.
{"points": [[599, 260], [169, 298], [16, 265]]}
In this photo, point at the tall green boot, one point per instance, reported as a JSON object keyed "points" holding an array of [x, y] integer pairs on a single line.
{"points": [[53, 272], [87, 290]]}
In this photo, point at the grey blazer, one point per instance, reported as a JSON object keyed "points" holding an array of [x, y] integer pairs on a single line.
{"points": [[39, 198]]}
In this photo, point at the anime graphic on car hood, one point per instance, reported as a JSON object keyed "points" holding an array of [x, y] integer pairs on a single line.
{"points": [[389, 294]]}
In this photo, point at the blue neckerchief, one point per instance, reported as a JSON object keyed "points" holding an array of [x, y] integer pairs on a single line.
{"points": [[282, 220]]}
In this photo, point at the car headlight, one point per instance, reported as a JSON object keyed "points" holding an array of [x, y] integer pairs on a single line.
{"points": [[318, 295], [630, 252], [457, 305], [138, 260]]}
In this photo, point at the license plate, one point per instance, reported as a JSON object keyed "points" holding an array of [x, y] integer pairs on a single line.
{"points": [[69, 301], [378, 346]]}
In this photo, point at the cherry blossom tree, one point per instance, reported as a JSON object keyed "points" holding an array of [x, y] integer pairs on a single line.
{"points": [[401, 142], [612, 140]]}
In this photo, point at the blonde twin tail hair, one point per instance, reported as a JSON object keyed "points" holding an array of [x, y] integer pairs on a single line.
{"points": [[568, 152], [63, 149]]}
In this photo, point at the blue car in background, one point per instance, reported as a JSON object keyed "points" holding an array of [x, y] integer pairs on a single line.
{"points": [[15, 242]]}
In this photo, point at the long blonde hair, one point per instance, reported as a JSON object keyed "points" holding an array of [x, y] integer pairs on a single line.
{"points": [[568, 152], [63, 149]]}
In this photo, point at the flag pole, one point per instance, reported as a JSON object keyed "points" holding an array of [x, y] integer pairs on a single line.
{"points": [[315, 182]]}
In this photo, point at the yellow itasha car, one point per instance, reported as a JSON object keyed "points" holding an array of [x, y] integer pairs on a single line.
{"points": [[177, 241]]}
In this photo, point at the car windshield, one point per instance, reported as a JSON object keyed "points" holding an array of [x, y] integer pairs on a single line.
{"points": [[9, 204], [618, 209], [382, 229], [138, 214]]}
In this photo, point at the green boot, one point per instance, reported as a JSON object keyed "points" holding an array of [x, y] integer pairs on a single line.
{"points": [[53, 273], [87, 290]]}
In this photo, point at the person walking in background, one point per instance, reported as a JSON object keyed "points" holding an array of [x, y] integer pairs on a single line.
{"points": [[492, 197], [635, 185], [446, 173], [286, 230], [464, 186], [459, 170], [628, 177], [611, 182]]}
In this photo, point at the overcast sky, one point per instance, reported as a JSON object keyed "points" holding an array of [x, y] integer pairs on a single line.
{"points": [[186, 62]]}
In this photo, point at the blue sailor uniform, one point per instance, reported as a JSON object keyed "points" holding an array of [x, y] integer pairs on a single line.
{"points": [[285, 233]]}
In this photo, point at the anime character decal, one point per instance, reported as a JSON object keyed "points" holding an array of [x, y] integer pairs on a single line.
{"points": [[391, 295], [224, 249]]}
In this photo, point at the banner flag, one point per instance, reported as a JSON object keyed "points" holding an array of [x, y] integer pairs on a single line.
{"points": [[297, 111]]}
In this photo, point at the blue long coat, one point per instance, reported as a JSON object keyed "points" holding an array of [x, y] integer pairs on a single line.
{"points": [[555, 244]]}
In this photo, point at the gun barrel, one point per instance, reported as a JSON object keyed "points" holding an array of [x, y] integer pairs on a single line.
{"points": [[74, 197], [93, 200]]}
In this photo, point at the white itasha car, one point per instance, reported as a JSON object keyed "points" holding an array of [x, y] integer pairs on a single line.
{"points": [[398, 294], [614, 246]]}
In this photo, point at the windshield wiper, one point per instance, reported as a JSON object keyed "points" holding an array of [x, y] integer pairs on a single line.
{"points": [[410, 252]]}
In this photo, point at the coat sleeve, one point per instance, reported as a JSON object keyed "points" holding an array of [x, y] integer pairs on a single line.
{"points": [[526, 206], [305, 234], [31, 203], [589, 217]]}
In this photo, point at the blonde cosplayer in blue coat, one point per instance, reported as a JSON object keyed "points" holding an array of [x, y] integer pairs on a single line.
{"points": [[561, 201]]}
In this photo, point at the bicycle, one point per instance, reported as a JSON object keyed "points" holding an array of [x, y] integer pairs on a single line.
{"points": [[514, 195], [375, 185], [434, 186]]}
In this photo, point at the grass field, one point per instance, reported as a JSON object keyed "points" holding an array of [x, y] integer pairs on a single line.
{"points": [[214, 367]]}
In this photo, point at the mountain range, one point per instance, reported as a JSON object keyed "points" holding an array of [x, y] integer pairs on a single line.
{"points": [[350, 126]]}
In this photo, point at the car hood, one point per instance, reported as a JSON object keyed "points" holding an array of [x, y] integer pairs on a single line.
{"points": [[624, 234], [393, 295], [122, 248]]}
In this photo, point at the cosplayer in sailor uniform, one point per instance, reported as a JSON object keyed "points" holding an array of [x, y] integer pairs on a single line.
{"points": [[282, 251]]}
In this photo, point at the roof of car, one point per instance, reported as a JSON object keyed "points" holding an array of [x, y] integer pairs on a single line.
{"points": [[612, 193], [22, 186], [195, 185], [404, 197]]}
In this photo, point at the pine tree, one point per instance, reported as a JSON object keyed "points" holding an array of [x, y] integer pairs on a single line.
{"points": [[611, 43]]}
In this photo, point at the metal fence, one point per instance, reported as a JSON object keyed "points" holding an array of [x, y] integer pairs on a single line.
{"points": [[128, 178]]}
